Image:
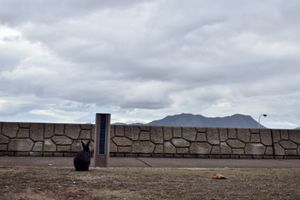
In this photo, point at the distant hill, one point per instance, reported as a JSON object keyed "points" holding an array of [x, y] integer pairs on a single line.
{"points": [[119, 123], [234, 121], [297, 128]]}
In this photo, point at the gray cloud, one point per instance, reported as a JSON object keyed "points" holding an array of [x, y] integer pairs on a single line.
{"points": [[43, 12], [146, 59]]}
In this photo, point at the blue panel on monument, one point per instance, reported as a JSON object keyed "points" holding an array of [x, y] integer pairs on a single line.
{"points": [[102, 135]]}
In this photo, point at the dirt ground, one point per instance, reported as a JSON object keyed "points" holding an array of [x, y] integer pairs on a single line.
{"points": [[44, 183]]}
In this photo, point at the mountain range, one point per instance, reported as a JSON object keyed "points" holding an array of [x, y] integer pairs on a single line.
{"points": [[234, 121]]}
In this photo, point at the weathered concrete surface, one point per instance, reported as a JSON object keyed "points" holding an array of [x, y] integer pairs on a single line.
{"points": [[154, 162]]}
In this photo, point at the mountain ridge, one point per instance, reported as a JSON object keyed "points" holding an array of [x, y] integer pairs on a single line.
{"points": [[187, 119]]}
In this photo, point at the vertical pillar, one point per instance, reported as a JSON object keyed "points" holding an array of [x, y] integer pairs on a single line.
{"points": [[101, 139]]}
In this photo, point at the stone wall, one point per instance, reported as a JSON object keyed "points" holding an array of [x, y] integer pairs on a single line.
{"points": [[204, 142], [45, 139]]}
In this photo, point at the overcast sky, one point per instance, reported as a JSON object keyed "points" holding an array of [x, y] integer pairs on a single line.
{"points": [[65, 60]]}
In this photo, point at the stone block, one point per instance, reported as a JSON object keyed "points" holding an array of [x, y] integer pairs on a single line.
{"points": [[76, 146], [145, 128], [276, 135], [4, 139], [168, 133], [243, 135], [290, 152], [269, 150], [50, 154], [49, 130], [156, 155], [268, 156], [255, 149], [254, 130], [189, 134], [3, 147], [37, 132], [294, 136], [200, 148], [157, 135], [63, 148], [258, 156], [38, 146], [187, 155], [124, 149], [142, 147], [182, 150], [122, 141], [215, 150], [144, 135], [232, 133], [279, 151], [159, 149], [6, 153], [223, 134], [113, 147], [119, 130], [20, 145], [86, 126], [21, 153], [202, 156], [288, 144], [93, 132], [112, 131], [298, 150], [10, 129], [201, 130], [73, 130], [265, 136], [23, 133], [169, 148], [61, 140], [233, 143], [201, 137], [238, 151], [49, 145], [213, 136], [177, 132], [284, 134], [180, 142], [59, 129], [143, 155], [225, 149], [64, 154], [85, 134], [226, 156], [132, 132], [255, 138], [24, 125], [36, 154]]}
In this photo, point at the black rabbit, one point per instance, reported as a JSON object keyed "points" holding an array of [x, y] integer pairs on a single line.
{"points": [[82, 160]]}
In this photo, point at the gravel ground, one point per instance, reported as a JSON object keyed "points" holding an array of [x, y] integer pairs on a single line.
{"points": [[44, 183]]}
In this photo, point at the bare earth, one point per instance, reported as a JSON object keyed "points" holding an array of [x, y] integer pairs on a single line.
{"points": [[148, 183]]}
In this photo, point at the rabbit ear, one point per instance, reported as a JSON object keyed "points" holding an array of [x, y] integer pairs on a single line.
{"points": [[83, 145], [88, 144]]}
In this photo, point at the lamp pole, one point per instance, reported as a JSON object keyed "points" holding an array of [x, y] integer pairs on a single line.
{"points": [[262, 115]]}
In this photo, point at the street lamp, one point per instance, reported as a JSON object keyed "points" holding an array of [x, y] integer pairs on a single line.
{"points": [[262, 115]]}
